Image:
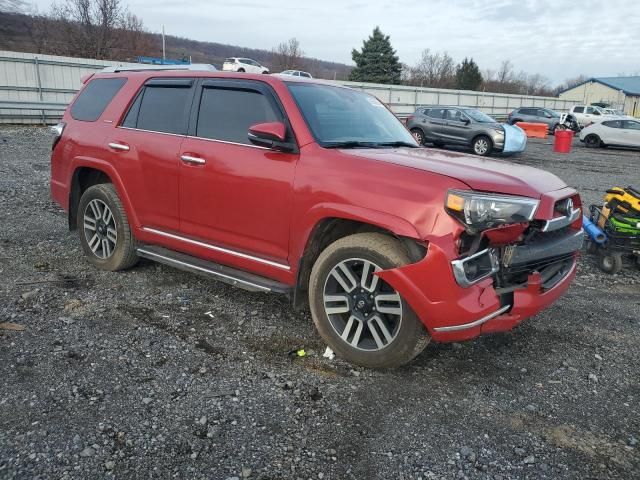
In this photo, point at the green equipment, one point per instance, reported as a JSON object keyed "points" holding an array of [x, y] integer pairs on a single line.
{"points": [[619, 219]]}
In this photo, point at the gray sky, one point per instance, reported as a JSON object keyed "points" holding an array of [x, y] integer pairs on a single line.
{"points": [[558, 39]]}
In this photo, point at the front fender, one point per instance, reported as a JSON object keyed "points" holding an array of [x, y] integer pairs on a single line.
{"points": [[320, 212]]}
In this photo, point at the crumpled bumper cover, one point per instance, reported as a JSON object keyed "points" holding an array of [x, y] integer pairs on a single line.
{"points": [[434, 295]]}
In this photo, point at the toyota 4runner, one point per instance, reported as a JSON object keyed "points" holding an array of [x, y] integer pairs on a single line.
{"points": [[313, 190]]}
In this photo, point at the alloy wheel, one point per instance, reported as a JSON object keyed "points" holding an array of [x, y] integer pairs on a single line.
{"points": [[418, 136], [100, 229], [481, 146], [364, 310]]}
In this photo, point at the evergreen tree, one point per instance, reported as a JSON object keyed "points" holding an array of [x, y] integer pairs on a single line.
{"points": [[377, 62], [468, 76]]}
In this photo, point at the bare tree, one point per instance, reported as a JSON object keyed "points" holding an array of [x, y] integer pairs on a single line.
{"points": [[435, 70], [90, 28], [287, 56]]}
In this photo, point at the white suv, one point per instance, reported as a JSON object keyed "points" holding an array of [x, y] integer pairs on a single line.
{"points": [[235, 64]]}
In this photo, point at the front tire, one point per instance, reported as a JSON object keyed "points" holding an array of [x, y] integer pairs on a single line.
{"points": [[240, 70], [360, 316], [592, 141], [482, 145], [105, 234]]}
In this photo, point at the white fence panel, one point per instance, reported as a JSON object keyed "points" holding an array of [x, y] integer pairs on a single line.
{"points": [[34, 77]]}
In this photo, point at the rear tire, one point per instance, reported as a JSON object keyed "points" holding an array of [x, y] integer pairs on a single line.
{"points": [[592, 141], [610, 263], [241, 70], [418, 135], [482, 145], [104, 230], [360, 316]]}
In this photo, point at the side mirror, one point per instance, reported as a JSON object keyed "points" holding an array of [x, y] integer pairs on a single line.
{"points": [[270, 135], [466, 121]]}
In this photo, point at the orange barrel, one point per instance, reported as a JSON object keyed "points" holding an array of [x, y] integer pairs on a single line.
{"points": [[563, 140]]}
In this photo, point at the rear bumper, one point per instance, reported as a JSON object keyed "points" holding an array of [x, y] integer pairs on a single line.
{"points": [[452, 312]]}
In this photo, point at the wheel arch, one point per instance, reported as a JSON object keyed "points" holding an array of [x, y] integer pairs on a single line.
{"points": [[88, 173], [328, 228]]}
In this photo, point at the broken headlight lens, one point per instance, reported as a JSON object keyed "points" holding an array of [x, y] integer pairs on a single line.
{"points": [[480, 211]]}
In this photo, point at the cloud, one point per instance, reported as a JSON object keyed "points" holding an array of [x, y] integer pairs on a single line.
{"points": [[556, 38]]}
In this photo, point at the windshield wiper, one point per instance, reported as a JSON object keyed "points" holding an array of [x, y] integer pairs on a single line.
{"points": [[358, 144], [398, 144], [351, 144]]}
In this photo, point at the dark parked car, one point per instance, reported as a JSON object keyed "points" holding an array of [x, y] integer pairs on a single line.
{"points": [[535, 115], [458, 126]]}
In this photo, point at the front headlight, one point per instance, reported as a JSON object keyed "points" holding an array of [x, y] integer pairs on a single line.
{"points": [[480, 211]]}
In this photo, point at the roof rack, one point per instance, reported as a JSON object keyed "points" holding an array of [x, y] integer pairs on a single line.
{"points": [[141, 68]]}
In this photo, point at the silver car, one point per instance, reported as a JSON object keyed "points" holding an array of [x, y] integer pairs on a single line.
{"points": [[535, 115], [457, 126]]}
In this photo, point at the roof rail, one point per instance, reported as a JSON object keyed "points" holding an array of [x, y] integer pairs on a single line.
{"points": [[141, 68]]}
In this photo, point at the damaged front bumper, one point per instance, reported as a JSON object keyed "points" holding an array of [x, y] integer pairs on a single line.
{"points": [[493, 290]]}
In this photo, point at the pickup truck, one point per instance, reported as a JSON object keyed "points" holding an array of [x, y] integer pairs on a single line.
{"points": [[588, 114], [301, 187]]}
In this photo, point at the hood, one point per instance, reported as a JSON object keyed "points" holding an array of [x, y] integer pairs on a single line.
{"points": [[488, 175]]}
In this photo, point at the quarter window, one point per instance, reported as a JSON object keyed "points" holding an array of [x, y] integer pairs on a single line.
{"points": [[95, 97], [226, 113]]}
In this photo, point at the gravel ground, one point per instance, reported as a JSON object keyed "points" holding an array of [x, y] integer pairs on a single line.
{"points": [[156, 373]]}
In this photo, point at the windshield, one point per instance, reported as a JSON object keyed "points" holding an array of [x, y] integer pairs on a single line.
{"points": [[337, 115], [478, 116]]}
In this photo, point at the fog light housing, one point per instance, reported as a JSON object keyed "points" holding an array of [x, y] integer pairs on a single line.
{"points": [[470, 270]]}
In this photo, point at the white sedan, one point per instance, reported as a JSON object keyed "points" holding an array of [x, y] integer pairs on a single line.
{"points": [[237, 64], [619, 131]]}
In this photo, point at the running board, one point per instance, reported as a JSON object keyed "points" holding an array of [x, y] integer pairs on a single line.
{"points": [[232, 276]]}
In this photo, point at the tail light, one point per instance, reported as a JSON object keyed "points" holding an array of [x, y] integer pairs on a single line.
{"points": [[57, 133]]}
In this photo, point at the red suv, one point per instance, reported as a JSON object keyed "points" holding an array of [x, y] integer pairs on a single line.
{"points": [[313, 190]]}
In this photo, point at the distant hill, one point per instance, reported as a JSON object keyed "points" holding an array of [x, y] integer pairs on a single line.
{"points": [[17, 34]]}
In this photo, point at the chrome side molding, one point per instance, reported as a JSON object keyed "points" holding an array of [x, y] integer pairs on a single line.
{"points": [[464, 326]]}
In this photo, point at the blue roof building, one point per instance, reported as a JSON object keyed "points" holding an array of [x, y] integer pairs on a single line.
{"points": [[622, 93]]}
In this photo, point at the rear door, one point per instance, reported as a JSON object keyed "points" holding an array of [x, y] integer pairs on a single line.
{"points": [[145, 147], [433, 123], [235, 195]]}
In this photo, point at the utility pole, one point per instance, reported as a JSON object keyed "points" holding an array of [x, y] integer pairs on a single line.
{"points": [[164, 57]]}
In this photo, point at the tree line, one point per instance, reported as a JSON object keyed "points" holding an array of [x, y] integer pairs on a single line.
{"points": [[377, 62]]}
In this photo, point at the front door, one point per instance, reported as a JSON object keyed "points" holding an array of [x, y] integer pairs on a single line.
{"points": [[631, 133], [233, 194], [456, 128]]}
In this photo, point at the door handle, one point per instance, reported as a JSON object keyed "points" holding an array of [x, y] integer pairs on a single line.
{"points": [[192, 160], [119, 146]]}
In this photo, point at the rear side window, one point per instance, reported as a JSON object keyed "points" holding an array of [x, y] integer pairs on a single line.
{"points": [[612, 124], [95, 97], [227, 113], [436, 113], [162, 106], [578, 109]]}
